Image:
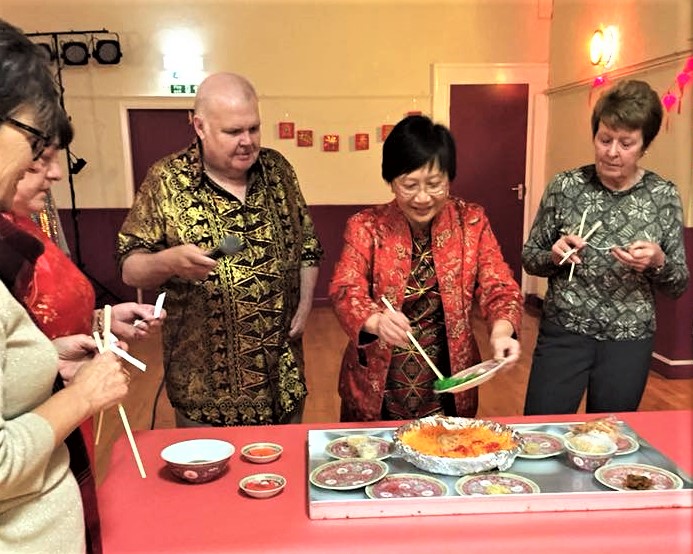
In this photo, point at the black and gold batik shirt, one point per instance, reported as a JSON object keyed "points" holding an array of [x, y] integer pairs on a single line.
{"points": [[605, 299], [227, 355]]}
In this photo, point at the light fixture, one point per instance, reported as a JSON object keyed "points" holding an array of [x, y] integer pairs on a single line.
{"points": [[74, 52], [46, 51], [604, 46], [107, 51], [76, 164]]}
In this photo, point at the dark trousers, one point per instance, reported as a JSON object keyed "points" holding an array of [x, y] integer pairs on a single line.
{"points": [[565, 365]]}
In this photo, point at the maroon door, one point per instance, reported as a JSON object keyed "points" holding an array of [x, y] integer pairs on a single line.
{"points": [[489, 123], [155, 134]]}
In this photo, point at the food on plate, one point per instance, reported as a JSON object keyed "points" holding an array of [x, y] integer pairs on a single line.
{"points": [[495, 488], [263, 484], [450, 382], [586, 443], [638, 482], [435, 440], [262, 451], [364, 446], [607, 425]]}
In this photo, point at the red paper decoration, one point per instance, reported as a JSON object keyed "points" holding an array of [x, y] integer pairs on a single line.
{"points": [[385, 130], [361, 141], [286, 129], [304, 137], [330, 143]]}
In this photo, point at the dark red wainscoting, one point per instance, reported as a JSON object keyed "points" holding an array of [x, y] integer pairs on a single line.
{"points": [[674, 340]]}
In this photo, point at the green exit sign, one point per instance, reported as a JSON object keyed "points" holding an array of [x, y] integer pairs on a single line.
{"points": [[183, 89]]}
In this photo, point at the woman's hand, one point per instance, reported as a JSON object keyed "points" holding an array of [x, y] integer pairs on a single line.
{"points": [[101, 382], [565, 244], [73, 351], [134, 321], [640, 255], [502, 342], [391, 327]]}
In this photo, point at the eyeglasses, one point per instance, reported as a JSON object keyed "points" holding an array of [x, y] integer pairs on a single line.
{"points": [[409, 190], [38, 140]]}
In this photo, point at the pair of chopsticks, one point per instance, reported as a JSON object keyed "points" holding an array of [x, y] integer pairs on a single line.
{"points": [[104, 346], [416, 343], [157, 309], [572, 251]]}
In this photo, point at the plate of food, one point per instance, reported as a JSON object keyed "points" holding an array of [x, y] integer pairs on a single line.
{"points": [[487, 484], [359, 446], [540, 445], [407, 485], [626, 445], [468, 378], [637, 477], [348, 474], [457, 445]]}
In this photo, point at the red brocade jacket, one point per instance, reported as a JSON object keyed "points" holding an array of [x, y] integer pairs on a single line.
{"points": [[376, 261]]}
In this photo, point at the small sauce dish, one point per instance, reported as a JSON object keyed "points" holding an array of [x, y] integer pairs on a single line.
{"points": [[262, 485], [262, 452]]}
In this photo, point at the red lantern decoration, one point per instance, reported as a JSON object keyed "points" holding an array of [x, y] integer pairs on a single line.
{"points": [[688, 68], [669, 100], [599, 81], [683, 79]]}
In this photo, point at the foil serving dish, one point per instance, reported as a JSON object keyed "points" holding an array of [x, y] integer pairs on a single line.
{"points": [[501, 459]]}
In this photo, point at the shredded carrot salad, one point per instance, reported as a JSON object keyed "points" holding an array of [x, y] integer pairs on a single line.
{"points": [[466, 442]]}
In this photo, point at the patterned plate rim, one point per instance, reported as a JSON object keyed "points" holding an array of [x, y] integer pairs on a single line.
{"points": [[369, 488], [480, 380], [371, 437], [634, 446], [598, 475], [462, 480], [541, 456], [383, 466]]}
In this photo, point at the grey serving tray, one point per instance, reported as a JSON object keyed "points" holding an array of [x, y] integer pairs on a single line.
{"points": [[563, 488]]}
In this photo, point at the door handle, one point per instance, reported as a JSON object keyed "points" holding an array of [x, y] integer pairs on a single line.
{"points": [[520, 189]]}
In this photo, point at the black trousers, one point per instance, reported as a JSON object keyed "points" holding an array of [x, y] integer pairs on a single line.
{"points": [[565, 365]]}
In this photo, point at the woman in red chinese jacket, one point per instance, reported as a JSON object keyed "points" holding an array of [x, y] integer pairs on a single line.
{"points": [[432, 256]]}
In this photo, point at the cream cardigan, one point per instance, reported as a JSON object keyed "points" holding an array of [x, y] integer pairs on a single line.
{"points": [[40, 504]]}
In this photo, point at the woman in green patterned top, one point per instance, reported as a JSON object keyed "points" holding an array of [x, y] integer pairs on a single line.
{"points": [[597, 328]]}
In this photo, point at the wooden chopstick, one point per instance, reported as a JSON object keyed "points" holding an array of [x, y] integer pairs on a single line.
{"points": [[573, 250], [104, 346], [415, 342], [582, 228]]}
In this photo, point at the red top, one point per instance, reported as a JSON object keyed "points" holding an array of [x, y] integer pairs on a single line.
{"points": [[60, 297], [377, 260]]}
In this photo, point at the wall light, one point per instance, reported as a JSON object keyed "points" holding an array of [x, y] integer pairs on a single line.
{"points": [[46, 51], [107, 51], [604, 46], [74, 52]]}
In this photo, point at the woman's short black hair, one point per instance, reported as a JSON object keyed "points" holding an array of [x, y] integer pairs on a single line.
{"points": [[631, 105], [416, 142], [26, 80]]}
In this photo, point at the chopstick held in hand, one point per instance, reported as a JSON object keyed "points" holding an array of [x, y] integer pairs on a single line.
{"points": [[415, 342], [572, 251]]}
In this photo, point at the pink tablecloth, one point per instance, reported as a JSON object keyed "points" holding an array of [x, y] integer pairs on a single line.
{"points": [[160, 514]]}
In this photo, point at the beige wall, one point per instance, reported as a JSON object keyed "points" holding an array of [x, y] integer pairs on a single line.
{"points": [[333, 66]]}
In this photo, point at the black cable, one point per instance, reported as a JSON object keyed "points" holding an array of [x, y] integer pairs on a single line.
{"points": [[166, 361]]}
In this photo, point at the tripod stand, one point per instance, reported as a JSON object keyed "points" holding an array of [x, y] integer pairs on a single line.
{"points": [[73, 167]]}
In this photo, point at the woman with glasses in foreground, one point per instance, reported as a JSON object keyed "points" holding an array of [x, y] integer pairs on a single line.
{"points": [[40, 505], [432, 256]]}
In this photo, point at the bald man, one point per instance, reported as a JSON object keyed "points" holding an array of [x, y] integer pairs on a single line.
{"points": [[232, 340]]}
